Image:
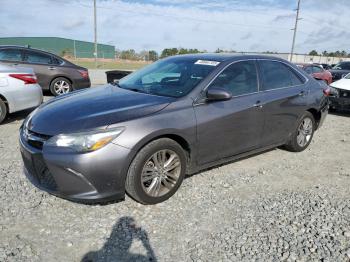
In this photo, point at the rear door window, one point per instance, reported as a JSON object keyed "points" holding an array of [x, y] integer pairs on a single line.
{"points": [[277, 75], [37, 58], [316, 69], [239, 78], [11, 55], [308, 69]]}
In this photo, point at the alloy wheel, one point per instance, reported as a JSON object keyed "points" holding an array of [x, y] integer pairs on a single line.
{"points": [[305, 131], [61, 87], [161, 173]]}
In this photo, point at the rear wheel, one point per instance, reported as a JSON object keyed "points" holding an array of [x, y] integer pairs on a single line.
{"points": [[304, 133], [3, 111], [60, 86], [156, 172]]}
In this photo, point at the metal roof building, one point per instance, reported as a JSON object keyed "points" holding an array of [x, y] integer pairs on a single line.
{"points": [[62, 46]]}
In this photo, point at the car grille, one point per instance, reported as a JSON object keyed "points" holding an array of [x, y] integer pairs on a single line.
{"points": [[39, 172], [34, 139], [344, 93], [35, 164]]}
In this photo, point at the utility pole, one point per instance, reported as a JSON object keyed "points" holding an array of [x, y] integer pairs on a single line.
{"points": [[295, 31], [95, 31]]}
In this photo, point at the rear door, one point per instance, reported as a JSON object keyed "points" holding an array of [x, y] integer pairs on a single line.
{"points": [[285, 99], [43, 66], [227, 128]]}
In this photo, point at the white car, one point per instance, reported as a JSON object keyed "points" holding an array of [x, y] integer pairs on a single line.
{"points": [[19, 90], [340, 98]]}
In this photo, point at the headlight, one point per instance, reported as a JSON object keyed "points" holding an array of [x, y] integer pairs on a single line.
{"points": [[85, 141]]}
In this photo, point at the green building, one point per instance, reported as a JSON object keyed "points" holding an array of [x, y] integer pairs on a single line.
{"points": [[62, 46]]}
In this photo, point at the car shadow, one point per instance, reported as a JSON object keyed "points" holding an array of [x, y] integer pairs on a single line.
{"points": [[117, 246], [17, 116], [234, 161], [340, 113]]}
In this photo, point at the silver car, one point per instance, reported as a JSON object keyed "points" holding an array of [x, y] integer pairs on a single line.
{"points": [[19, 90]]}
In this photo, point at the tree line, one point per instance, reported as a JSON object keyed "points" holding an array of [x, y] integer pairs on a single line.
{"points": [[338, 53], [152, 55]]}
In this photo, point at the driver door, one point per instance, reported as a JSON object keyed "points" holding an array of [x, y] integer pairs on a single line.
{"points": [[235, 126]]}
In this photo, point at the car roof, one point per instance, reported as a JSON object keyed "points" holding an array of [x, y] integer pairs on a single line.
{"points": [[307, 64], [222, 57], [27, 48]]}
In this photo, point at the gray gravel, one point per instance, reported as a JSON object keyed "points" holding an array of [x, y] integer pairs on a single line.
{"points": [[277, 206]]}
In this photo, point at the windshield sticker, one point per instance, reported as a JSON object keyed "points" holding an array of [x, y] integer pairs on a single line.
{"points": [[206, 62]]}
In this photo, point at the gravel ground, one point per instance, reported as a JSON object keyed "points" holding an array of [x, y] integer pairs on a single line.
{"points": [[276, 206]]}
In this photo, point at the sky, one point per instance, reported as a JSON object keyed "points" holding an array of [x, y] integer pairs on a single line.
{"points": [[246, 25]]}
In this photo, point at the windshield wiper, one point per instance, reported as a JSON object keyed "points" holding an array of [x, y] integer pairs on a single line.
{"points": [[136, 90]]}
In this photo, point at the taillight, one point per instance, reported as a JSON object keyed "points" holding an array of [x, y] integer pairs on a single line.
{"points": [[26, 78], [327, 91], [84, 73]]}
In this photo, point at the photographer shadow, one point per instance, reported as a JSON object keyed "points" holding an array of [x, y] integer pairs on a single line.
{"points": [[117, 246]]}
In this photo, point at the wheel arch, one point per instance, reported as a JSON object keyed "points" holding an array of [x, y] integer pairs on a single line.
{"points": [[5, 100], [180, 139], [316, 114]]}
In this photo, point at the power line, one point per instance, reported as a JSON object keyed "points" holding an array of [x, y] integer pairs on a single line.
{"points": [[295, 31]]}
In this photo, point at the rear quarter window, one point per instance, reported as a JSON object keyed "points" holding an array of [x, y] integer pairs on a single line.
{"points": [[277, 75], [37, 58]]}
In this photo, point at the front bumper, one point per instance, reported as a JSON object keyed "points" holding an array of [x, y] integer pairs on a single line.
{"points": [[340, 103], [90, 177]]}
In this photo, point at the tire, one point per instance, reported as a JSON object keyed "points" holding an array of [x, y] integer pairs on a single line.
{"points": [[60, 86], [296, 144], [158, 185], [3, 111]]}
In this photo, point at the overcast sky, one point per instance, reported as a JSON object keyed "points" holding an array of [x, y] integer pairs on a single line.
{"points": [[246, 25]]}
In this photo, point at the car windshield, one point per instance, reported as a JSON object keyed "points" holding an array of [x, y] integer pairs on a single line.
{"points": [[173, 77], [343, 66]]}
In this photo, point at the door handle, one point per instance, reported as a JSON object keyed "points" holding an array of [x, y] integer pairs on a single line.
{"points": [[15, 64], [302, 93], [52, 68], [258, 104]]}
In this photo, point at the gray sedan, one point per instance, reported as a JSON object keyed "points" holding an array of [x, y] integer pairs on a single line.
{"points": [[54, 73], [174, 117]]}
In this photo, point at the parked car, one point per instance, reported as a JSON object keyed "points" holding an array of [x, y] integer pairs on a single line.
{"points": [[19, 90], [340, 70], [340, 98], [116, 75], [178, 115], [54, 73], [324, 66], [317, 72]]}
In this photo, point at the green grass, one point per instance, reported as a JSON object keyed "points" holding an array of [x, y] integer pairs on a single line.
{"points": [[118, 65]]}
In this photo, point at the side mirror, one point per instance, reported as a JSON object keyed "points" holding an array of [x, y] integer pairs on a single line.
{"points": [[218, 94]]}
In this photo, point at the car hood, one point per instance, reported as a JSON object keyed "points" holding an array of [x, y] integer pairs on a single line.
{"points": [[342, 84], [93, 108]]}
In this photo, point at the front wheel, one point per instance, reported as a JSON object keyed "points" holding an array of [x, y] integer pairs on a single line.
{"points": [[156, 172], [60, 86], [3, 111], [304, 133]]}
